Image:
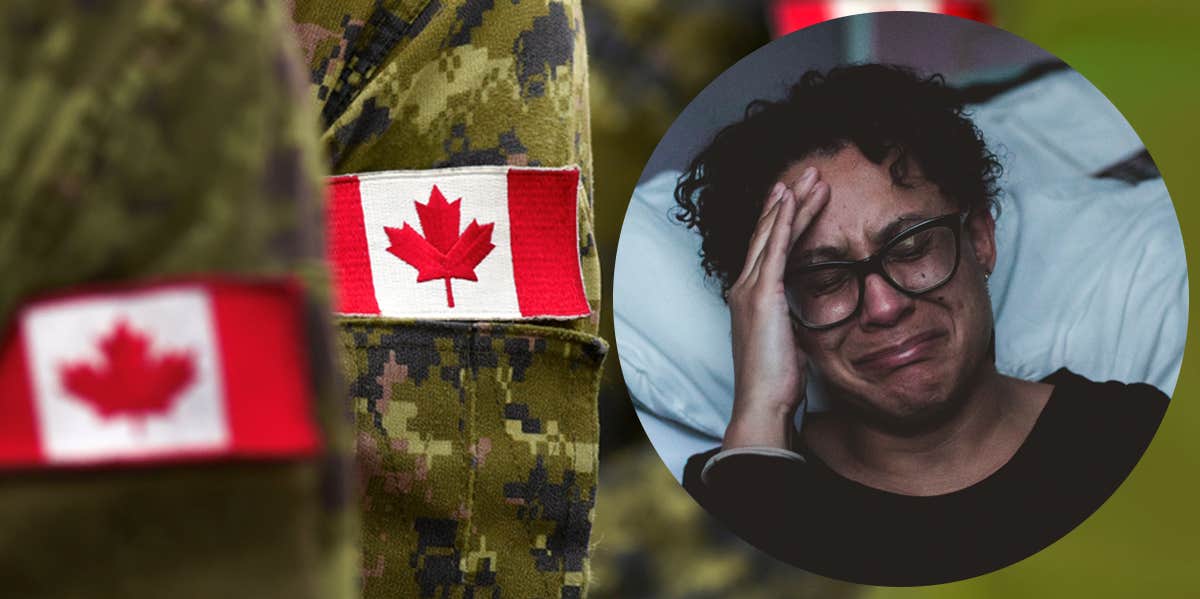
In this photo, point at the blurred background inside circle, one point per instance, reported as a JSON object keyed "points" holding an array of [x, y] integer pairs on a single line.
{"points": [[648, 60]]}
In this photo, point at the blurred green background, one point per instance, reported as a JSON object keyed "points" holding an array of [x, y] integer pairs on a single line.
{"points": [[648, 59]]}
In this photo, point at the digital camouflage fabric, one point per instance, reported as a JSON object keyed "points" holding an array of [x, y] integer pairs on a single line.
{"points": [[477, 441], [650, 531], [477, 461], [141, 140]]}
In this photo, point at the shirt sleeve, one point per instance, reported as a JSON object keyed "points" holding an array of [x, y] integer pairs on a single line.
{"points": [[466, 424], [722, 459], [754, 491]]}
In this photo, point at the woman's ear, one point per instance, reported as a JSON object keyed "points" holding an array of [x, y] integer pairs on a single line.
{"points": [[981, 235]]}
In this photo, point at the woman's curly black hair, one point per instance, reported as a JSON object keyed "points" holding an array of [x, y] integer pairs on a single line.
{"points": [[884, 110]]}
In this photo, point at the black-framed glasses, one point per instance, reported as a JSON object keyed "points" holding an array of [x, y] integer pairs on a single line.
{"points": [[915, 261]]}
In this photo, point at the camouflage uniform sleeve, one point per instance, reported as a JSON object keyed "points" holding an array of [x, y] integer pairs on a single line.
{"points": [[477, 441], [141, 140]]}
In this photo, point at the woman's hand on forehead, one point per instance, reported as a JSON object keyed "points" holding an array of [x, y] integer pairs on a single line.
{"points": [[768, 364]]}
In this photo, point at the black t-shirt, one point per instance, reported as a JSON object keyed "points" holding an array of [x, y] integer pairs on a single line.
{"points": [[1087, 439]]}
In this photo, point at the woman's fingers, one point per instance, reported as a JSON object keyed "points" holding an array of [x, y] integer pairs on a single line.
{"points": [[776, 191], [803, 186], [762, 229], [775, 252], [808, 210], [787, 214], [805, 209]]}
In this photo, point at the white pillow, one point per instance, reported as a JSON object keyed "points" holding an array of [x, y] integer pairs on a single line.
{"points": [[1091, 274]]}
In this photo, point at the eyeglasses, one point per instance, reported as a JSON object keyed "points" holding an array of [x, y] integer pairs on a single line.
{"points": [[915, 261]]}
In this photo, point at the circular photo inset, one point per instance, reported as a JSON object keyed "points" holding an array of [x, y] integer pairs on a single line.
{"points": [[901, 299]]}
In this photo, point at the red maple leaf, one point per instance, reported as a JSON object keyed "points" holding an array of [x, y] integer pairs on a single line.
{"points": [[129, 381], [442, 253]]}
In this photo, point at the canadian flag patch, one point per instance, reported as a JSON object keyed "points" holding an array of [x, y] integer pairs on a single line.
{"points": [[170, 371], [461, 243]]}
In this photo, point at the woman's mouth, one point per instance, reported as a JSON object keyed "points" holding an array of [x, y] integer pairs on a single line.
{"points": [[901, 353]]}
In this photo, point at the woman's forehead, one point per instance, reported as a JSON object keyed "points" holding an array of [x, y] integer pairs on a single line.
{"points": [[865, 207]]}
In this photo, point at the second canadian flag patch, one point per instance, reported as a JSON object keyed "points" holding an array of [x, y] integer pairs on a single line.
{"points": [[462, 243], [158, 372]]}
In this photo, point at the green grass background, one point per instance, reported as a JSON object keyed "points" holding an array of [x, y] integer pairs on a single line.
{"points": [[1145, 541]]}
